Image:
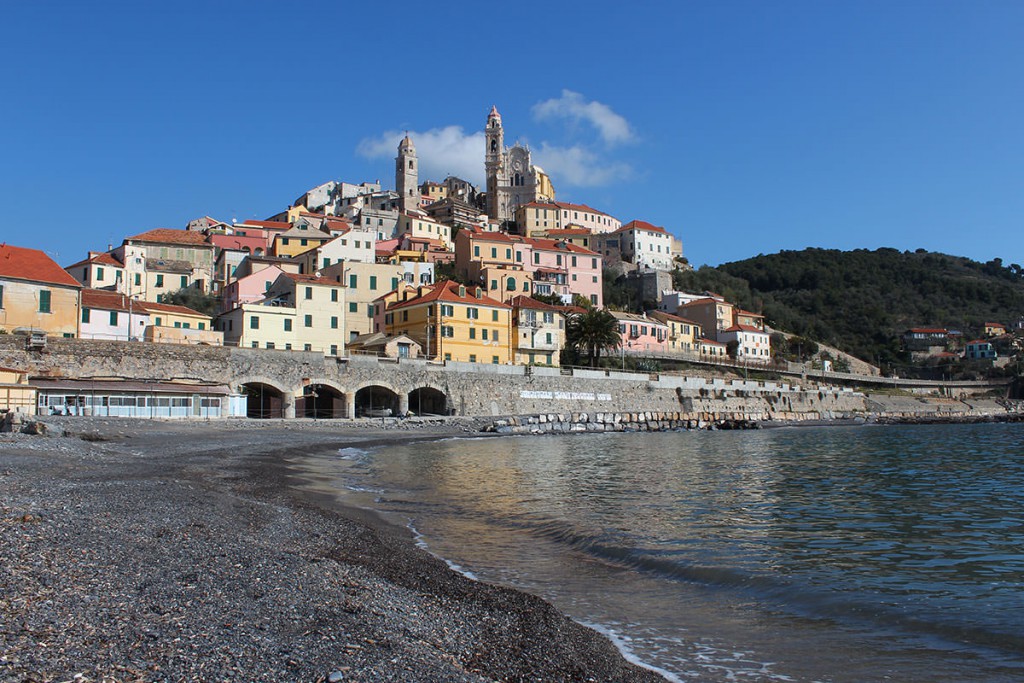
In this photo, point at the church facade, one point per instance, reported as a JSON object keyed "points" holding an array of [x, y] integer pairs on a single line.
{"points": [[512, 179]]}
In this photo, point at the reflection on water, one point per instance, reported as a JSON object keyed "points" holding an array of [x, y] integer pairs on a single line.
{"points": [[843, 554]]}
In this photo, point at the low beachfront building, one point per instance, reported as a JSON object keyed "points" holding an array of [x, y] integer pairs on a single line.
{"points": [[641, 334], [112, 315], [36, 294], [683, 335], [753, 345], [171, 324], [539, 332]]}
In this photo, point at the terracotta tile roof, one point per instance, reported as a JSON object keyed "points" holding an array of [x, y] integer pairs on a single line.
{"points": [[448, 291], [32, 265], [170, 236], [674, 318], [107, 300], [980, 341], [641, 225], [927, 330], [274, 225], [579, 207], [750, 314], [703, 302], [711, 342], [171, 308], [745, 328], [559, 245], [568, 231], [995, 325], [312, 279], [102, 259]]}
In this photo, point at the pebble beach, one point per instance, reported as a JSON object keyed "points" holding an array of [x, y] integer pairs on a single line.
{"points": [[163, 551]]}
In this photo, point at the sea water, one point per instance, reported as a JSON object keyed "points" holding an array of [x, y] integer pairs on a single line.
{"points": [[810, 554]]}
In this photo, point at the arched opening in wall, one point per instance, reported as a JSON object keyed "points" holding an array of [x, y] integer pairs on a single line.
{"points": [[263, 401], [428, 401], [376, 401], [321, 402]]}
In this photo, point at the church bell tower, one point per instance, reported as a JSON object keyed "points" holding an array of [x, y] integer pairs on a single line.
{"points": [[407, 176], [494, 165]]}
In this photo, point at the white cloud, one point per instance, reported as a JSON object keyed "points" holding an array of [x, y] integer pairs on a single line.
{"points": [[613, 128], [441, 151], [579, 166]]}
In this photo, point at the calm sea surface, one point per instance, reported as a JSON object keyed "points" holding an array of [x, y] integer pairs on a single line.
{"points": [[830, 554]]}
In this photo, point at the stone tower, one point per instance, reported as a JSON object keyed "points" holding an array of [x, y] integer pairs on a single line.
{"points": [[407, 176], [494, 166]]}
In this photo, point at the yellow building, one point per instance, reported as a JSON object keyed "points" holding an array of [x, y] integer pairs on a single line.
{"points": [[300, 312], [454, 322], [420, 227], [364, 283], [170, 324], [539, 332], [299, 239], [505, 282], [683, 335], [16, 394], [36, 293], [477, 249]]}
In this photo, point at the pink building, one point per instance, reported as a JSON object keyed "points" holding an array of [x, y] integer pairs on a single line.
{"points": [[641, 334], [249, 288], [565, 267]]}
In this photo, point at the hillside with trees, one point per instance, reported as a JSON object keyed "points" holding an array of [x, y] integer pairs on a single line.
{"points": [[862, 301]]}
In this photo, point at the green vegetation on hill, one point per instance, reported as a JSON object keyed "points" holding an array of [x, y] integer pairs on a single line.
{"points": [[862, 301]]}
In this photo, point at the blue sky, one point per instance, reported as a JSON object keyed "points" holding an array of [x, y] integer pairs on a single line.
{"points": [[741, 127]]}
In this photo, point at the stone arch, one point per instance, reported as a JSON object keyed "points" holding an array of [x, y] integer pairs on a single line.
{"points": [[428, 399], [265, 398], [321, 398], [377, 399]]}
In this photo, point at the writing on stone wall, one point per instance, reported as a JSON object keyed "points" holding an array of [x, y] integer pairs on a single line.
{"points": [[565, 395]]}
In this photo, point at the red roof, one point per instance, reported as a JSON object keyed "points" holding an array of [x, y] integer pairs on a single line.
{"points": [[995, 325], [746, 328], [569, 231], [928, 330], [170, 236], [109, 301], [171, 308], [559, 245], [448, 290], [32, 265], [640, 225], [276, 225], [711, 342], [311, 279], [702, 302], [578, 207], [103, 259]]}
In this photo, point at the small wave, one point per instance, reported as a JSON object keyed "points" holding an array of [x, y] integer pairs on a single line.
{"points": [[352, 453], [422, 544], [622, 643]]}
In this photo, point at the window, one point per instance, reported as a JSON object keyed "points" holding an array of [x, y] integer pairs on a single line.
{"points": [[394, 283], [177, 323], [255, 345], [303, 242], [484, 335], [472, 333], [184, 281], [494, 284], [352, 280], [159, 321], [113, 318], [476, 250], [446, 309], [494, 335], [447, 356], [254, 322], [573, 261], [472, 358], [138, 279], [287, 324], [202, 326], [508, 253], [447, 331], [307, 347], [85, 315], [334, 322], [309, 321], [44, 301], [405, 316], [353, 307], [334, 349], [334, 295], [472, 313], [548, 340], [160, 280], [519, 256], [270, 345], [309, 293], [494, 360], [373, 282], [99, 274], [494, 252], [510, 284]]}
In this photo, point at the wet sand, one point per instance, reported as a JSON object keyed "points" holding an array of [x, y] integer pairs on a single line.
{"points": [[163, 551]]}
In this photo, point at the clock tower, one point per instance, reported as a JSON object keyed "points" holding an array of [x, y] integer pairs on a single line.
{"points": [[407, 176]]}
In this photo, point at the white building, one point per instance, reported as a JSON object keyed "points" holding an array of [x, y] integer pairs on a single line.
{"points": [[752, 344]]}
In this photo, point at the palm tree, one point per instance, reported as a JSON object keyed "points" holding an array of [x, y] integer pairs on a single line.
{"points": [[592, 332]]}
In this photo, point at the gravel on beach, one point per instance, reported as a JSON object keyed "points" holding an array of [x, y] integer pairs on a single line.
{"points": [[161, 551]]}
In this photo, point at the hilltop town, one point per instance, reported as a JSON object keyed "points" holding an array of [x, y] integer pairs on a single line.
{"points": [[436, 269]]}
